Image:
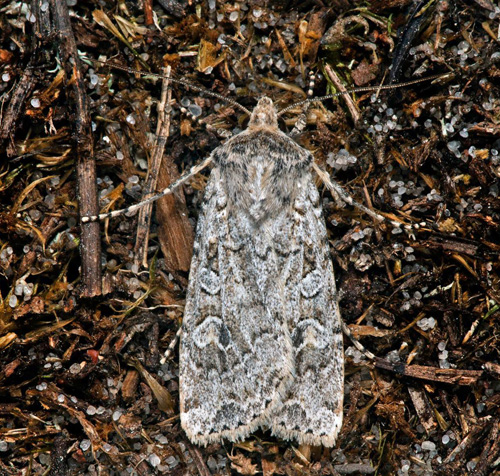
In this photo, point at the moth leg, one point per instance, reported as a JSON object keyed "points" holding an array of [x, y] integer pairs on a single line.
{"points": [[172, 345], [356, 343], [300, 124], [339, 193], [183, 178]]}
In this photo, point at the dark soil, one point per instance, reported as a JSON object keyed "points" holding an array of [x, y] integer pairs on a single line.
{"points": [[80, 351]]}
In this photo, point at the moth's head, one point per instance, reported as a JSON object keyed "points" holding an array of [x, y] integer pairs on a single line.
{"points": [[264, 115]]}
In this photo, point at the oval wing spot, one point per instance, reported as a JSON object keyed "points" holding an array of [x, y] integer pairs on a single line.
{"points": [[310, 333], [212, 247], [209, 281], [312, 284], [212, 331]]}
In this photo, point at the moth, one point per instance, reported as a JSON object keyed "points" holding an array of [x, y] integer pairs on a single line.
{"points": [[261, 343]]}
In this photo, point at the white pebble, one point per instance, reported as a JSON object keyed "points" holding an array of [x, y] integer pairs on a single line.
{"points": [[428, 446], [107, 447], [85, 445], [471, 465], [154, 460], [75, 369], [13, 300], [443, 355]]}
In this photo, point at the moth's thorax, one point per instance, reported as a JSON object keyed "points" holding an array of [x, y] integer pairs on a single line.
{"points": [[264, 115], [262, 172]]}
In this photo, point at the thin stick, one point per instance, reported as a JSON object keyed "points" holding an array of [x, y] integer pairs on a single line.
{"points": [[353, 108], [162, 132], [90, 247]]}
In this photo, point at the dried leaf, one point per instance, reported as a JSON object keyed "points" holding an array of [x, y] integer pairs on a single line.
{"points": [[165, 400], [7, 339], [243, 465], [207, 56], [361, 331], [268, 467]]}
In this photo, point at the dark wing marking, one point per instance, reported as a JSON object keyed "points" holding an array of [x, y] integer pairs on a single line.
{"points": [[312, 411], [236, 353]]}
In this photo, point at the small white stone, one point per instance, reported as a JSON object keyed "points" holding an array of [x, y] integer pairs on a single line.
{"points": [[154, 460], [85, 445], [13, 300], [107, 447], [428, 446]]}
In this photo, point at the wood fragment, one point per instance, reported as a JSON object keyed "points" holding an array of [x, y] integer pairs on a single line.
{"points": [[352, 106], [354, 468], [451, 376], [423, 408], [90, 248], [490, 451], [457, 455], [198, 460], [161, 138], [129, 387], [174, 230]]}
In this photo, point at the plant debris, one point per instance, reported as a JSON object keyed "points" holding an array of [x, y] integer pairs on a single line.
{"points": [[87, 312]]}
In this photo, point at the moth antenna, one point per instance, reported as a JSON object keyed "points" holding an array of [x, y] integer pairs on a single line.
{"points": [[300, 124], [187, 84], [362, 90]]}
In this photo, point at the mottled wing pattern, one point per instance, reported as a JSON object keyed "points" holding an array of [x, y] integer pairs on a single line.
{"points": [[262, 345], [312, 411], [236, 357]]}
